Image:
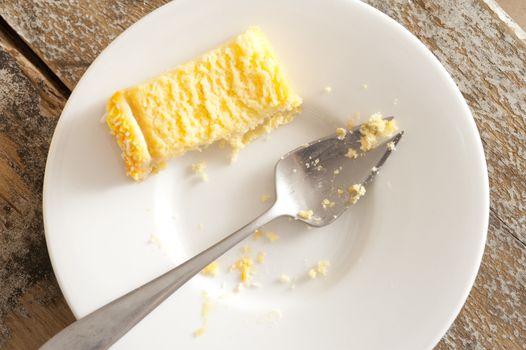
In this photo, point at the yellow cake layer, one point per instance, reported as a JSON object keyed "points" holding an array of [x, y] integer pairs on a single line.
{"points": [[232, 94]]}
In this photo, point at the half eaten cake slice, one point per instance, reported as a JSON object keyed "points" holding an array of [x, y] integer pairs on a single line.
{"points": [[231, 94]]}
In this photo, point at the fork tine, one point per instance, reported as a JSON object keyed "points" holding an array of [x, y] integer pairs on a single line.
{"points": [[395, 139]]}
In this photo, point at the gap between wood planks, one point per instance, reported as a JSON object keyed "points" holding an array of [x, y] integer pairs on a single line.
{"points": [[33, 57], [523, 244]]}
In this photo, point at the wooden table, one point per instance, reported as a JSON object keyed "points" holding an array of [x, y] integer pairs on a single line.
{"points": [[46, 45]]}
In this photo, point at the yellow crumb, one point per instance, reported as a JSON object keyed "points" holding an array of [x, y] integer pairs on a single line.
{"points": [[340, 192], [260, 258], [199, 331], [264, 197], [320, 269], [326, 203], [245, 267], [323, 267], [272, 236], [340, 133], [376, 127], [258, 234], [306, 214], [199, 169], [211, 269], [356, 191], [247, 250], [391, 146], [327, 89], [351, 153], [284, 279], [206, 306], [365, 86]]}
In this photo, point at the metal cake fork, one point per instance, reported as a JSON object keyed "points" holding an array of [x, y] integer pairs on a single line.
{"points": [[312, 178]]}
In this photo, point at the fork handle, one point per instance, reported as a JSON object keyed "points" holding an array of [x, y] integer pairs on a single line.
{"points": [[104, 326]]}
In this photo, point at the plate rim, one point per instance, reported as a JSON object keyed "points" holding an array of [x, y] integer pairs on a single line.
{"points": [[444, 74]]}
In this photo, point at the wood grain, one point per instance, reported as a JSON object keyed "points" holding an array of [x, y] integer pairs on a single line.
{"points": [[29, 109], [486, 59], [69, 36]]}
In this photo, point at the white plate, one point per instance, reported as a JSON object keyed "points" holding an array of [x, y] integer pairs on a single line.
{"points": [[403, 259]]}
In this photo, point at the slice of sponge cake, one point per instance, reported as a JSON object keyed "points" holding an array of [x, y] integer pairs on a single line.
{"points": [[231, 94]]}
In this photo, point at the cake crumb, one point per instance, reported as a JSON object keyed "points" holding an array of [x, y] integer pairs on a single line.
{"points": [[199, 169], [200, 227], [326, 203], [206, 306], [258, 234], [245, 267], [260, 258], [356, 191], [395, 101], [340, 133], [340, 192], [306, 214], [391, 146], [199, 332], [365, 86], [285, 279], [376, 127], [211, 269], [264, 197], [336, 171], [323, 267], [351, 153], [320, 269], [272, 236], [327, 89]]}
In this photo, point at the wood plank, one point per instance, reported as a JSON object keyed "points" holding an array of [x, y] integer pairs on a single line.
{"points": [[68, 37], [486, 59], [494, 316], [41, 313], [29, 109]]}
